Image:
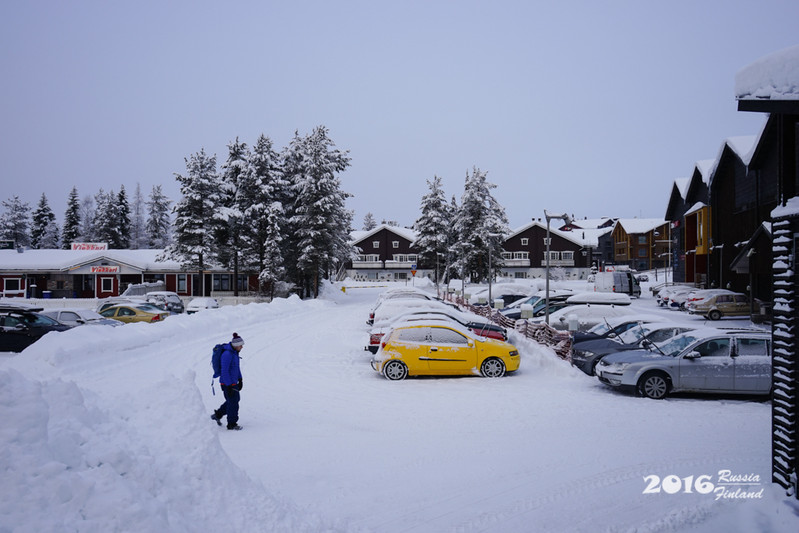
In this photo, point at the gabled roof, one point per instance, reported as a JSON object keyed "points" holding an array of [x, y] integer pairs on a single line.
{"points": [[639, 225], [405, 233], [696, 207], [582, 237], [743, 147]]}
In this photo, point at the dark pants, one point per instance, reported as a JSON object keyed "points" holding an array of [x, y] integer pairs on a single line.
{"points": [[231, 405]]}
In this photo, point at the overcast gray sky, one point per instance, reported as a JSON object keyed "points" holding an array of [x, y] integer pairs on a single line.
{"points": [[589, 107]]}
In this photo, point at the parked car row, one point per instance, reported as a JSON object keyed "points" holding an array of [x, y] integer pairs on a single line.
{"points": [[416, 336], [21, 325], [712, 304]]}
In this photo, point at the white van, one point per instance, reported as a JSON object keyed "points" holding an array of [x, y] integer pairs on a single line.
{"points": [[620, 282]]}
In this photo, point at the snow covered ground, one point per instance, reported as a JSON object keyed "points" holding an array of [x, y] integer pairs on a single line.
{"points": [[108, 429]]}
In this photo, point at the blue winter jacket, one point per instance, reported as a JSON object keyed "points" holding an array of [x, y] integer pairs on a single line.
{"points": [[231, 373]]}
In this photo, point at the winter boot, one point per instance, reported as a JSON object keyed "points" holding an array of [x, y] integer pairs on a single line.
{"points": [[217, 419], [235, 427]]}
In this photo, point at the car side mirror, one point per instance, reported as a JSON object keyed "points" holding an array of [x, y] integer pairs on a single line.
{"points": [[21, 327], [693, 355], [471, 344]]}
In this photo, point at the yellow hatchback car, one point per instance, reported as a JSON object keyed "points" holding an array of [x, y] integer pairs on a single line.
{"points": [[437, 349], [135, 313]]}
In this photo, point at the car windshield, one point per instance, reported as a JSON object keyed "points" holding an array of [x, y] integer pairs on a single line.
{"points": [[600, 329], [148, 308], [634, 334], [673, 347], [38, 320]]}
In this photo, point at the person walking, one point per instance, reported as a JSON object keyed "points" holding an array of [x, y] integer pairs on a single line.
{"points": [[231, 382]]}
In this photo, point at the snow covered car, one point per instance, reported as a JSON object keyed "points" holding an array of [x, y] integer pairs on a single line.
{"points": [[614, 326], [588, 353], [474, 323], [705, 360], [716, 306], [166, 300], [390, 309], [21, 326], [586, 316], [507, 292], [537, 303], [79, 317], [437, 349], [199, 304]]}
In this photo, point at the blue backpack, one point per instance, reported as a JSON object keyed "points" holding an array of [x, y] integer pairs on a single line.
{"points": [[216, 360]]}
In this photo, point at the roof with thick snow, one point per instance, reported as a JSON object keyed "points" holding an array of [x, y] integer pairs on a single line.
{"points": [[406, 233], [772, 77], [640, 225], [145, 260], [583, 237]]}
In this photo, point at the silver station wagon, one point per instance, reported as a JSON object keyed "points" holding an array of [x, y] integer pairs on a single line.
{"points": [[705, 360]]}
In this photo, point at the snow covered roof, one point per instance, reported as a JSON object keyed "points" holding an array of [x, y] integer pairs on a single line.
{"points": [[772, 77], [742, 146], [144, 260], [406, 233], [696, 207], [682, 185], [640, 225], [583, 237], [790, 209], [705, 167]]}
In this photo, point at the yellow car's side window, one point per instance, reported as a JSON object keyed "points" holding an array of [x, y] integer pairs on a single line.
{"points": [[447, 336]]}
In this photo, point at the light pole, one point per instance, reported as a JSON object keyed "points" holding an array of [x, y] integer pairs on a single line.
{"points": [[490, 273], [567, 219]]}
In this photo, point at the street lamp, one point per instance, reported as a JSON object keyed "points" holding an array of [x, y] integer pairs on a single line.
{"points": [[567, 219]]}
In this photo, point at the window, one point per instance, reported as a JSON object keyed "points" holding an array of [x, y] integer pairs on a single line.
{"points": [[181, 282], [547, 241], [368, 258], [106, 284], [447, 336], [395, 244], [525, 241], [642, 239], [567, 256], [714, 348], [413, 335], [641, 252], [753, 347], [375, 244], [553, 256], [520, 275], [68, 316], [11, 284]]}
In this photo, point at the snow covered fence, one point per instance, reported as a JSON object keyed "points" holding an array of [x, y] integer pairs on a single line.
{"points": [[559, 341]]}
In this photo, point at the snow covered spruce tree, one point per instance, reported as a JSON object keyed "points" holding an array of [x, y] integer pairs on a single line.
{"points": [[15, 221], [320, 224], [369, 222], [122, 221], [193, 243], [157, 229], [137, 238], [44, 230], [104, 221], [71, 231], [263, 197], [480, 223], [87, 233], [432, 228], [229, 218]]}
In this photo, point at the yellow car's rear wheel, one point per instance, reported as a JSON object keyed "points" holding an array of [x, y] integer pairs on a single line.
{"points": [[492, 368], [395, 370]]}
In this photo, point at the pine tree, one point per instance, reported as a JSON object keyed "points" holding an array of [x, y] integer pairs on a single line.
{"points": [[320, 221], [158, 226], [369, 222], [43, 223], [15, 222], [193, 244], [262, 199], [87, 209], [104, 222], [230, 217], [432, 228], [137, 224], [71, 232], [122, 221], [480, 223]]}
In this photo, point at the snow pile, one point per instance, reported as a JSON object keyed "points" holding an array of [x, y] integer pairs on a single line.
{"points": [[775, 76]]}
